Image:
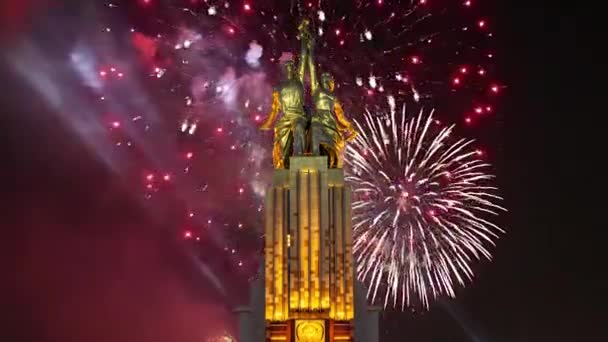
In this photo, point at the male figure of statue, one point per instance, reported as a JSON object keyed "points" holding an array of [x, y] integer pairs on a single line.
{"points": [[328, 124], [288, 98]]}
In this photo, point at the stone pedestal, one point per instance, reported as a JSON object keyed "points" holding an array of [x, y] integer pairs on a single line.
{"points": [[308, 250], [308, 292]]}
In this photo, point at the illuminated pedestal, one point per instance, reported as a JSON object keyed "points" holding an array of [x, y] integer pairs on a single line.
{"points": [[309, 292]]}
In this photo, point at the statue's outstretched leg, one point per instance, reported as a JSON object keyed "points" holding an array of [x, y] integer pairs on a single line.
{"points": [[318, 137], [299, 136], [315, 140]]}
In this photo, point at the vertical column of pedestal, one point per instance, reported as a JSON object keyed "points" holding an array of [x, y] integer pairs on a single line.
{"points": [[269, 254], [315, 240], [373, 324], [349, 306], [294, 249], [340, 226], [275, 257], [244, 324], [257, 303], [304, 241], [332, 250], [325, 242], [279, 253], [339, 245], [285, 260]]}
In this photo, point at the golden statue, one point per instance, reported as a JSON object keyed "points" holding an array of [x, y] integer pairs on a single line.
{"points": [[329, 129], [328, 124], [288, 98]]}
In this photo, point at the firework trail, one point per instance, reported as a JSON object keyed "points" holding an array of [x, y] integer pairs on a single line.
{"points": [[421, 208]]}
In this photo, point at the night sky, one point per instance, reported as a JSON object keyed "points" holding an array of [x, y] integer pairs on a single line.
{"points": [[85, 261]]}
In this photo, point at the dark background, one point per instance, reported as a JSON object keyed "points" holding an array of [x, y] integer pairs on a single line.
{"points": [[71, 271]]}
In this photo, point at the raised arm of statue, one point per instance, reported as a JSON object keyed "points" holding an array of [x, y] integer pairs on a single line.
{"points": [[314, 79], [343, 122], [274, 110], [305, 41]]}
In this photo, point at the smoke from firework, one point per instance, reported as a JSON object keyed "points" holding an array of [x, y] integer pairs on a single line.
{"points": [[191, 66]]}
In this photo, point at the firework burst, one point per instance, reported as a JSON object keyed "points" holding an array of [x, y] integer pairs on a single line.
{"points": [[421, 208]]}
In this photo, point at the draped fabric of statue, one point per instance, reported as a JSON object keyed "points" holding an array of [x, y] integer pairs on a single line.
{"points": [[328, 122], [290, 129], [288, 98]]}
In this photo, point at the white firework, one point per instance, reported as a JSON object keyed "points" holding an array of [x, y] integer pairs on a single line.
{"points": [[421, 210]]}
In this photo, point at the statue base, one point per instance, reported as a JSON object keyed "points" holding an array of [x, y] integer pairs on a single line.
{"points": [[307, 290]]}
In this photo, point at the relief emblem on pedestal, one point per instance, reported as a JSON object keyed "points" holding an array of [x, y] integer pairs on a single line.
{"points": [[310, 331]]}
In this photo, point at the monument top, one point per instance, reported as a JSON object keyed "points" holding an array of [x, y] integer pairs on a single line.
{"points": [[324, 131]]}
